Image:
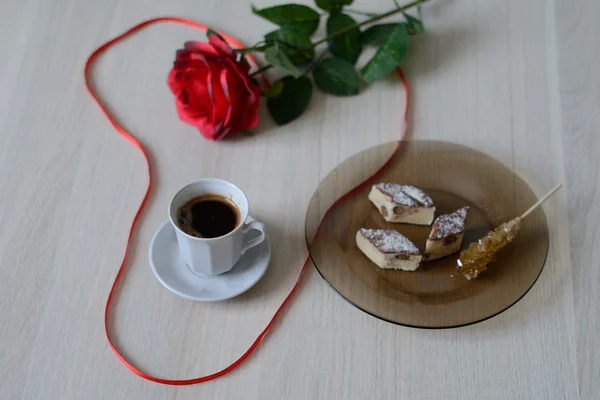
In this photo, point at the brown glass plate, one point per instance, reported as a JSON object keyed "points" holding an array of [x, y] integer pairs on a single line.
{"points": [[434, 296]]}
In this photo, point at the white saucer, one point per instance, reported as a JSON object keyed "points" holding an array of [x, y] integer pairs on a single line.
{"points": [[175, 275]]}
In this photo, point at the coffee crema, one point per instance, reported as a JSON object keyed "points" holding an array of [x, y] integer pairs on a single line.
{"points": [[208, 216]]}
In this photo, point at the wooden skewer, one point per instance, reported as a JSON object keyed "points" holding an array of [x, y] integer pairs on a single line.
{"points": [[540, 201]]}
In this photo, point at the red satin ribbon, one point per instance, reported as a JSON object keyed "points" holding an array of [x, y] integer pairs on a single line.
{"points": [[132, 140]]}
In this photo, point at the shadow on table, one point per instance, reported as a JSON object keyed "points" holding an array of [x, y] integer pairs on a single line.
{"points": [[284, 267]]}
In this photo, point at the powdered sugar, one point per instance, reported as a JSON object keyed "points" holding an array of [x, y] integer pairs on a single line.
{"points": [[405, 195], [389, 241], [449, 224]]}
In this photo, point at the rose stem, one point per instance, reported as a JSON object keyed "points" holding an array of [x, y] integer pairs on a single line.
{"points": [[366, 14], [348, 29], [540, 201]]}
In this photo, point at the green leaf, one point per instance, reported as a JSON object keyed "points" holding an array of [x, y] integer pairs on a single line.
{"points": [[275, 90], [346, 46], [278, 58], [415, 25], [302, 17], [210, 31], [387, 57], [377, 34], [292, 101], [336, 76], [332, 5], [291, 39]]}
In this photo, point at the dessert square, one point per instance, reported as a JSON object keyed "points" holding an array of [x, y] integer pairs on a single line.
{"points": [[388, 249], [446, 235], [402, 203]]}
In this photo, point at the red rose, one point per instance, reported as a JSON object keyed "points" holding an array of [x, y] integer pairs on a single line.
{"points": [[212, 89]]}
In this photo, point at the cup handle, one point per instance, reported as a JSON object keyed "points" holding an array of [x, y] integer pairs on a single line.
{"points": [[254, 225]]}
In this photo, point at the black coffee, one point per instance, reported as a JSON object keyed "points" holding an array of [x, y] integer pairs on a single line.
{"points": [[208, 216]]}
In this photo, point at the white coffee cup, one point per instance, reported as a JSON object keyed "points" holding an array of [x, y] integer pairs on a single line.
{"points": [[217, 255]]}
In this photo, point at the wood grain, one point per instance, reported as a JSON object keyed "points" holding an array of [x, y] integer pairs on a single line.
{"points": [[515, 79], [578, 60]]}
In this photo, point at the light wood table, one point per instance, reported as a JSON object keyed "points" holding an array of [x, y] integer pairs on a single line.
{"points": [[517, 79]]}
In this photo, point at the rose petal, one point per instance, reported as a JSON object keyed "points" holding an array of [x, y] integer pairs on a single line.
{"points": [[245, 102], [244, 77], [182, 54], [248, 118], [200, 47], [193, 102], [222, 105], [223, 133], [205, 89], [173, 81], [249, 115], [198, 120], [244, 98], [221, 47], [225, 86]]}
